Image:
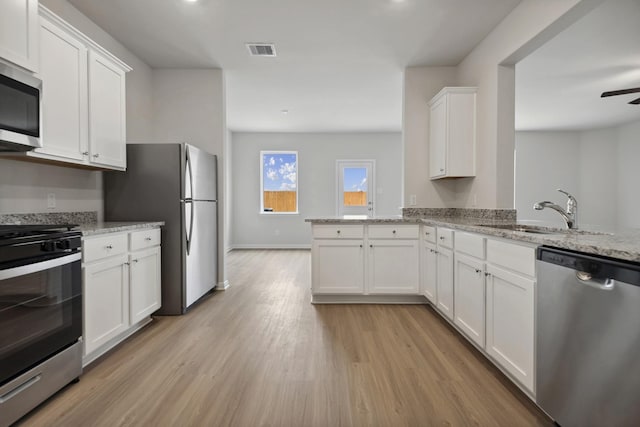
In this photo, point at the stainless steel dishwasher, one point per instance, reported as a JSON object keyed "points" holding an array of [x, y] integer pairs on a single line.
{"points": [[588, 339]]}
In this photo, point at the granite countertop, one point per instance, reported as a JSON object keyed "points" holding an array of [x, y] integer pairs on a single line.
{"points": [[114, 227], [621, 245]]}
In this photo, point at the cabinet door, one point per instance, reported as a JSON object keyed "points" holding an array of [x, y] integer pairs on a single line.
{"points": [[510, 323], [445, 282], [63, 68], [337, 266], [469, 297], [438, 138], [107, 103], [394, 266], [106, 301], [429, 271], [144, 285], [19, 32]]}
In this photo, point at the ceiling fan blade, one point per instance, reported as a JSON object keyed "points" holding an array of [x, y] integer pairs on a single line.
{"points": [[635, 101], [620, 92]]}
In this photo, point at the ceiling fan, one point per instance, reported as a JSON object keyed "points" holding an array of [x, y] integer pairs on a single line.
{"points": [[623, 92]]}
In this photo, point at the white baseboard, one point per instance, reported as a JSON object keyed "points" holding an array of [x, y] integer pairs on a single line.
{"points": [[223, 286], [368, 299], [269, 246], [112, 343]]}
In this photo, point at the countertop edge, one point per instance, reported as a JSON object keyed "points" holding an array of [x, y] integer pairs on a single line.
{"points": [[625, 246], [88, 230]]}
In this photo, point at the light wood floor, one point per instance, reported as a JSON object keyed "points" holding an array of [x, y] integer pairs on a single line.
{"points": [[259, 354]]}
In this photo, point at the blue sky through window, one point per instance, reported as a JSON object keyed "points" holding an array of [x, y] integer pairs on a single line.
{"points": [[279, 171], [355, 179]]}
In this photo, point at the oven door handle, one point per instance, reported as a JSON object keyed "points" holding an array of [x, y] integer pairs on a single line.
{"points": [[23, 270]]}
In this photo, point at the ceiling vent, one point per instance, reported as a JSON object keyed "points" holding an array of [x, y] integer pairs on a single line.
{"points": [[262, 49]]}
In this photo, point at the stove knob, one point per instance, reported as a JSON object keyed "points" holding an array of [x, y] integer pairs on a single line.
{"points": [[63, 244], [47, 247]]}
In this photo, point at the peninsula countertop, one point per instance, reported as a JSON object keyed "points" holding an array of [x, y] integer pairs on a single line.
{"points": [[621, 245]]}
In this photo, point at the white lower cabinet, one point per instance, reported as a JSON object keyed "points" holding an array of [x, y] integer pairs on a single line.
{"points": [[145, 285], [338, 266], [106, 299], [429, 271], [510, 323], [469, 297], [121, 287], [444, 281], [394, 266], [365, 260]]}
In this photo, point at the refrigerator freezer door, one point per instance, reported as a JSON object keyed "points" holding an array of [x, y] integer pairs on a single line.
{"points": [[202, 256], [201, 173]]}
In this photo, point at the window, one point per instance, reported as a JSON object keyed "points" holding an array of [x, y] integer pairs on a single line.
{"points": [[279, 182]]}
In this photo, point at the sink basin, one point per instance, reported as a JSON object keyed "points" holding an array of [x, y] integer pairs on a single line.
{"points": [[534, 229]]}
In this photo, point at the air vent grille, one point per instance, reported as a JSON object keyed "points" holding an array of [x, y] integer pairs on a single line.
{"points": [[261, 49]]}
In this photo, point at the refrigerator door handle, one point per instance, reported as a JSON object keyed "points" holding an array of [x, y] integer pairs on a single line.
{"points": [[190, 172], [189, 230]]}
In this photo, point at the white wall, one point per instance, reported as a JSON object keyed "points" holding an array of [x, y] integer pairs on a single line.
{"points": [[545, 161], [189, 106], [420, 85], [599, 167], [317, 155], [24, 186], [489, 66], [629, 175]]}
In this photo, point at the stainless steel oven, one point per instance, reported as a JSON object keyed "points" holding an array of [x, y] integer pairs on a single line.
{"points": [[40, 316], [19, 110]]}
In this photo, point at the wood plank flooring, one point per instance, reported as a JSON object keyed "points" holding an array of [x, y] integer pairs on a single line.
{"points": [[259, 354]]}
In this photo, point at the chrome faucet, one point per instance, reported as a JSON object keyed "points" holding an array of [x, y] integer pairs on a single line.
{"points": [[570, 215]]}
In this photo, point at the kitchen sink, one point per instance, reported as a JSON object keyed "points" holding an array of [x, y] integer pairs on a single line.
{"points": [[535, 229]]}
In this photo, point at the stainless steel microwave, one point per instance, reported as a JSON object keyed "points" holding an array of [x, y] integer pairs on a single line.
{"points": [[19, 110]]}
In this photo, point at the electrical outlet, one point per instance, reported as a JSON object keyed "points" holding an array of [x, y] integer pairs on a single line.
{"points": [[413, 200], [51, 201]]}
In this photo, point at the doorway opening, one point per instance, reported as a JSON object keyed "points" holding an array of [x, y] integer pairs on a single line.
{"points": [[356, 189]]}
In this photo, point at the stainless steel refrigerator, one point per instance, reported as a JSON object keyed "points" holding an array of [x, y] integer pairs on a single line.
{"points": [[177, 184]]}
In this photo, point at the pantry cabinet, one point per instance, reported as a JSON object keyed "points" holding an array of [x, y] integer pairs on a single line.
{"points": [[452, 133], [19, 33]]}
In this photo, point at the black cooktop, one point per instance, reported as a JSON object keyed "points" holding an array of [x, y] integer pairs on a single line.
{"points": [[12, 231]]}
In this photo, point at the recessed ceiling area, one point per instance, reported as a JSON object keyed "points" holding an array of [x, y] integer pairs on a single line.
{"points": [[558, 86], [339, 63]]}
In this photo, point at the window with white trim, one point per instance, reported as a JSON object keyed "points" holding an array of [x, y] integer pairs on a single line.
{"points": [[279, 182]]}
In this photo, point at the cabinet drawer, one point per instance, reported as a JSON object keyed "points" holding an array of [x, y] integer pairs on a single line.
{"points": [[445, 237], [144, 239], [429, 233], [513, 257], [393, 231], [94, 248], [470, 244], [335, 231]]}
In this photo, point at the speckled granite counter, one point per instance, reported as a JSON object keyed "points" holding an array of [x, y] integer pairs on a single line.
{"points": [[114, 227], [623, 245]]}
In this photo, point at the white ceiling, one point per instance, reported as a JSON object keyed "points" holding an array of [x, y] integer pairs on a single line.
{"points": [[339, 65], [558, 86]]}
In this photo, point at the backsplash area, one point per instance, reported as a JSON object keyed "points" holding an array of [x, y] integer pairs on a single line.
{"points": [[489, 214], [50, 218]]}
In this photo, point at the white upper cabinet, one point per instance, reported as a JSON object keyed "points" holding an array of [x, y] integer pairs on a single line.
{"points": [[19, 32], [452, 133], [63, 68], [107, 114], [83, 99]]}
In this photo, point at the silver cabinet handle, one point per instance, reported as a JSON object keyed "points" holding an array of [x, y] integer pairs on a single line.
{"points": [[338, 231], [126, 263], [441, 170], [478, 271], [134, 260], [371, 246], [441, 237], [394, 231], [108, 247], [360, 245], [427, 233], [487, 274], [96, 155], [148, 239], [85, 153]]}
